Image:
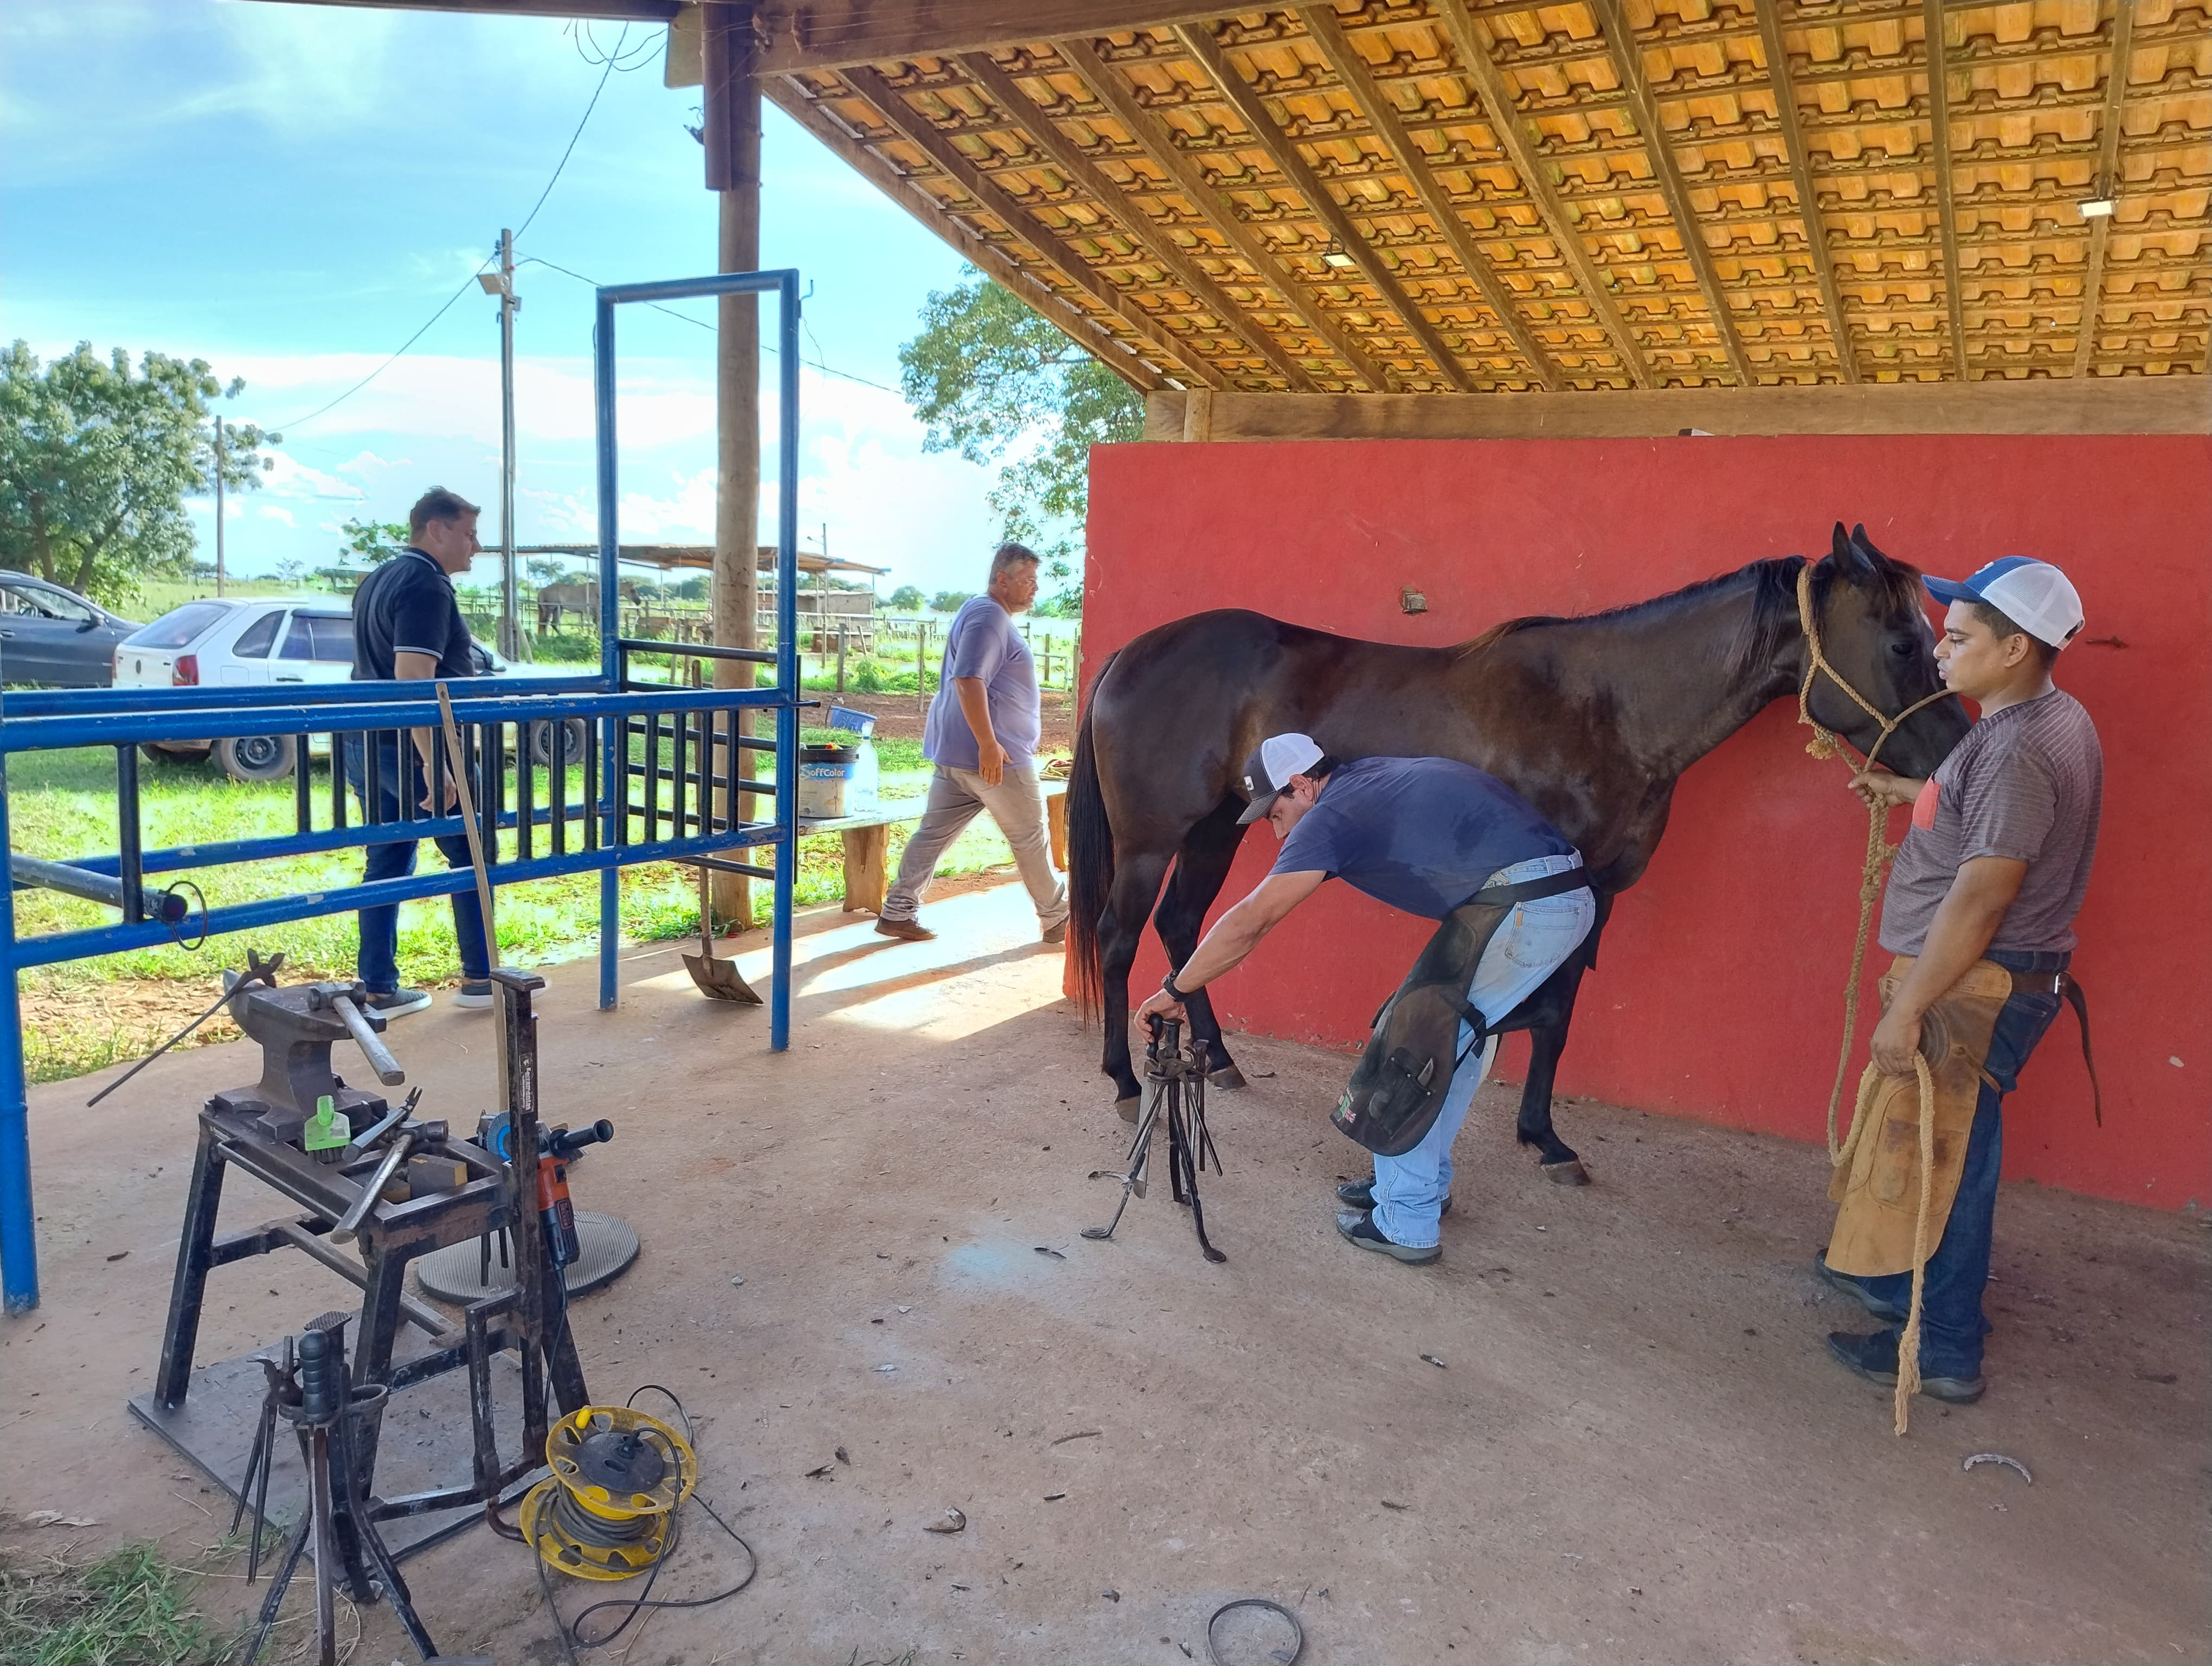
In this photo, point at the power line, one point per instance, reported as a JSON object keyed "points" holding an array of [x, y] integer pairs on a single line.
{"points": [[470, 282], [816, 362]]}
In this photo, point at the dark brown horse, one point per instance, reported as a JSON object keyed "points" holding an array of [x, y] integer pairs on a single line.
{"points": [[1591, 720]]}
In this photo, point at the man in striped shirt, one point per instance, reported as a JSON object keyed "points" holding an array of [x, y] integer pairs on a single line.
{"points": [[1992, 870]]}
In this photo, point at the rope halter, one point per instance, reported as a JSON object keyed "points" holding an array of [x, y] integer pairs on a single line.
{"points": [[1826, 742]]}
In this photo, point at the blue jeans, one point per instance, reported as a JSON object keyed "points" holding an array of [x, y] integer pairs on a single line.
{"points": [[1530, 943], [1952, 1323], [379, 961]]}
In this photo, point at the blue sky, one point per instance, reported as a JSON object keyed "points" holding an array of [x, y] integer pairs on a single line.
{"points": [[290, 191]]}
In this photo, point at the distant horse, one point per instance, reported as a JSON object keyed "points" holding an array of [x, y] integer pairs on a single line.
{"points": [[1592, 719]]}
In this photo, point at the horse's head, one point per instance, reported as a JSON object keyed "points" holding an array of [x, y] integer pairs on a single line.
{"points": [[1873, 619]]}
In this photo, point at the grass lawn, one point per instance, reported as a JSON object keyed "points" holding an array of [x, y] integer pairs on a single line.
{"points": [[82, 1015]]}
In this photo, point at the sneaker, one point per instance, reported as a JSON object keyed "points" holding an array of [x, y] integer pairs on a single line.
{"points": [[1358, 1227], [1054, 934], [1874, 1358], [475, 993], [1888, 1312], [1360, 1194], [907, 931], [398, 1003]]}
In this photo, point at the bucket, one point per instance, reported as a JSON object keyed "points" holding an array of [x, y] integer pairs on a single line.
{"points": [[825, 774]]}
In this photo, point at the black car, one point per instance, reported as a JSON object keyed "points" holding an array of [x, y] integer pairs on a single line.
{"points": [[55, 637]]}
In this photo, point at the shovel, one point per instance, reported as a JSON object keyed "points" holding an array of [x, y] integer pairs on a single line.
{"points": [[717, 979]]}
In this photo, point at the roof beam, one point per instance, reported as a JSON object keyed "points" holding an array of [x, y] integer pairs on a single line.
{"points": [[1499, 113], [2108, 183], [1153, 136], [1628, 62], [830, 34], [1198, 40], [1036, 123], [908, 192], [1350, 66], [1001, 205], [611, 11], [1939, 123], [1801, 174]]}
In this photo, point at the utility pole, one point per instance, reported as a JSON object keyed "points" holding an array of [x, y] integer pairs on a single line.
{"points": [[218, 506], [510, 635]]}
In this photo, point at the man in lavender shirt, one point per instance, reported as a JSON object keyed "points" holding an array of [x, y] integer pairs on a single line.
{"points": [[982, 735]]}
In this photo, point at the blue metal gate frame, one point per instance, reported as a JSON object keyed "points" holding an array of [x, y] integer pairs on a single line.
{"points": [[688, 719]]}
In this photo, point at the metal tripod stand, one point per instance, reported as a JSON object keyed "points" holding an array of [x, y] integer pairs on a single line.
{"points": [[311, 1391], [1175, 1087]]}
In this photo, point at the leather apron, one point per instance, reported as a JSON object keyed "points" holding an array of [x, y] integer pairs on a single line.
{"points": [[1879, 1192]]}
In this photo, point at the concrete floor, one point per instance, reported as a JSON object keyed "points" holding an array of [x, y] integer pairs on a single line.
{"points": [[1638, 1449]]}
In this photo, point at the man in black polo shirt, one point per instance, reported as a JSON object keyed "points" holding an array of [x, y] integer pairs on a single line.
{"points": [[407, 625]]}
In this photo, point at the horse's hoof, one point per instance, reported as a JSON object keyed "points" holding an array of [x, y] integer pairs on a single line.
{"points": [[1126, 1108], [1228, 1076], [1569, 1173]]}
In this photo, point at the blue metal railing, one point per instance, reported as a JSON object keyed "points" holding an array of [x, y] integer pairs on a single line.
{"points": [[659, 774]]}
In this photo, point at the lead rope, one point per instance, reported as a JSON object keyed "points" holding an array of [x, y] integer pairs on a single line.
{"points": [[1825, 744]]}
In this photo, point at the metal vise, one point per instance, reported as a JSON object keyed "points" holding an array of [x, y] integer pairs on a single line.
{"points": [[297, 1026]]}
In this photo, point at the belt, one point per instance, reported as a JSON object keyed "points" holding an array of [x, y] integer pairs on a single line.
{"points": [[1495, 895]]}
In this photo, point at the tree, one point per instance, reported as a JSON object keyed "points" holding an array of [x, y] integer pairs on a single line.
{"points": [[993, 381], [291, 570], [907, 599], [949, 601], [96, 461], [374, 541], [545, 570]]}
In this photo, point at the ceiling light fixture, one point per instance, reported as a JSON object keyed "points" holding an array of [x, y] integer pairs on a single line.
{"points": [[2098, 208]]}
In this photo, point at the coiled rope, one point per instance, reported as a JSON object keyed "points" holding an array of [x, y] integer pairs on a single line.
{"points": [[1825, 744]]}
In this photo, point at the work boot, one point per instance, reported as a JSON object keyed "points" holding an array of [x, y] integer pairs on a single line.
{"points": [[398, 1003], [474, 994], [1358, 1227], [1054, 934], [1874, 1358], [907, 931], [1887, 1311], [1360, 1194]]}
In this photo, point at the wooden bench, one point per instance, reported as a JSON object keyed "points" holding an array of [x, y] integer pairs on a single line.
{"points": [[867, 841]]}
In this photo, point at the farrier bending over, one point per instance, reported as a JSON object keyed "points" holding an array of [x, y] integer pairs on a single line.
{"points": [[1979, 913], [1430, 836]]}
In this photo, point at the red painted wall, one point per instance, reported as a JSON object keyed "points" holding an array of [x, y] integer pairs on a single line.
{"points": [[1719, 992]]}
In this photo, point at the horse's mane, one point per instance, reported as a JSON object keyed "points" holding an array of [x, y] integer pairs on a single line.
{"points": [[1774, 606]]}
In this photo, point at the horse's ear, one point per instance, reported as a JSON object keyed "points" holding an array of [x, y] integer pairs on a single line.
{"points": [[1852, 564], [1874, 557]]}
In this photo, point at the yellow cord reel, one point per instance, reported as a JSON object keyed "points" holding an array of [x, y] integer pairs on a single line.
{"points": [[608, 1510]]}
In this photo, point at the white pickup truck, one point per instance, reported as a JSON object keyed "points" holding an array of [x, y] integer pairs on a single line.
{"points": [[262, 640]]}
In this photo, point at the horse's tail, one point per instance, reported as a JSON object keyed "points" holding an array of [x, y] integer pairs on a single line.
{"points": [[1090, 861]]}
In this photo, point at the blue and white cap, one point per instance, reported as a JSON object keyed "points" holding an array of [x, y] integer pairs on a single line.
{"points": [[2033, 594], [1269, 770]]}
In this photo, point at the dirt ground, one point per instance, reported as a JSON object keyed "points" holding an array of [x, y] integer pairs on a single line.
{"points": [[1635, 1448]]}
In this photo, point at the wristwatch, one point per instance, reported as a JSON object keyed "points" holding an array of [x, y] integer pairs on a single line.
{"points": [[1178, 996]]}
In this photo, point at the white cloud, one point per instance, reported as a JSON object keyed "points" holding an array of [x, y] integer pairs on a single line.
{"points": [[289, 477], [274, 511]]}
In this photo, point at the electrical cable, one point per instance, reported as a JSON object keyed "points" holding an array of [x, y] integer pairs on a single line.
{"points": [[578, 1524], [470, 283], [701, 323]]}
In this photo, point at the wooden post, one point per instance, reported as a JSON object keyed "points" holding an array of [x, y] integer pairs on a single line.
{"points": [[841, 656], [921, 664], [1055, 815], [866, 872], [732, 140]]}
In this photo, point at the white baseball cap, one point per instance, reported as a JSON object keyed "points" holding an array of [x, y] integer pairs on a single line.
{"points": [[1267, 772], [2033, 594]]}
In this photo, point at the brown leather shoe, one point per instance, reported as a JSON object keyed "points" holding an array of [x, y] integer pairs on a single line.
{"points": [[1055, 934], [907, 931]]}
